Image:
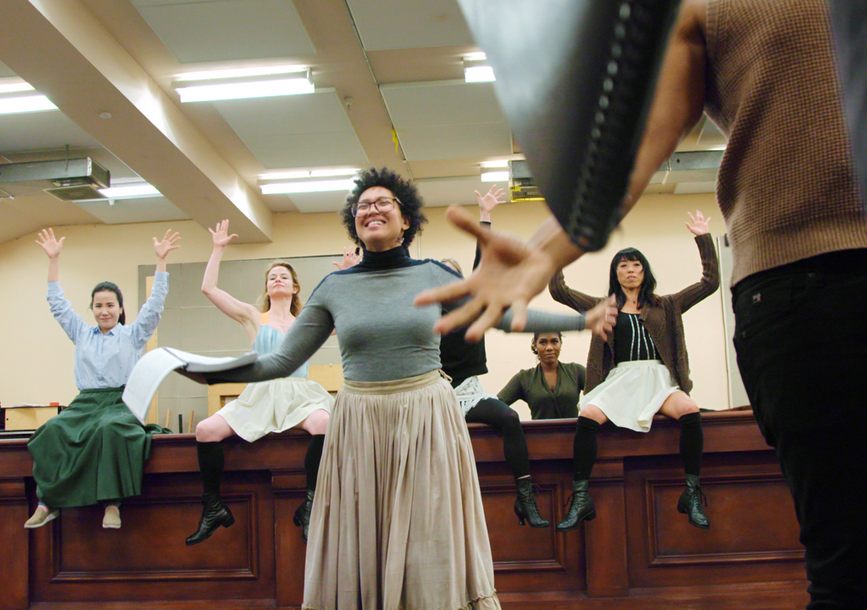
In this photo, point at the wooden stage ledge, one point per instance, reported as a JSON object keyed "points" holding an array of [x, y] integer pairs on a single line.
{"points": [[639, 553]]}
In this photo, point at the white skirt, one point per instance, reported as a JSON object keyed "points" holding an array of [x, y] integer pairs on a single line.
{"points": [[274, 406], [632, 393]]}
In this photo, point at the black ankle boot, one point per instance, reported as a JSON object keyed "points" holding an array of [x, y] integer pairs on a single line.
{"points": [[581, 508], [525, 505], [692, 502], [302, 515], [214, 514]]}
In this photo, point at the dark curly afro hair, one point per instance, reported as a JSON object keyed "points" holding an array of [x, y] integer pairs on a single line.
{"points": [[410, 201]]}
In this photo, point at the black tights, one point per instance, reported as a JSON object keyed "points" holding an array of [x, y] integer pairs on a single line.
{"points": [[584, 445], [501, 416], [211, 463]]}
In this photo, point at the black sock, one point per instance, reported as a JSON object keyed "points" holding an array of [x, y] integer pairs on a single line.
{"points": [[691, 442], [584, 448], [211, 465], [312, 459]]}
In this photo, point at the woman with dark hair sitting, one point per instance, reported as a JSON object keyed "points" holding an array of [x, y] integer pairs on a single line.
{"points": [[398, 519], [94, 450], [641, 369], [552, 388]]}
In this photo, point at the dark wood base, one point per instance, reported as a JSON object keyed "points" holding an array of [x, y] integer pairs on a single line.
{"points": [[638, 553]]}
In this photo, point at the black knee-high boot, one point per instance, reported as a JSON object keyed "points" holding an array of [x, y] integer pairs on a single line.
{"points": [[311, 465], [692, 500], [584, 451], [214, 512]]}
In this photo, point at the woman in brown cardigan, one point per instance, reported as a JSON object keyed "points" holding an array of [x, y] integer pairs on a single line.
{"points": [[641, 369]]}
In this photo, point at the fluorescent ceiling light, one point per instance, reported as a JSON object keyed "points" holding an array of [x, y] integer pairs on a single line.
{"points": [[325, 173], [479, 74], [310, 186], [28, 103], [239, 73], [130, 191], [305, 173], [477, 56], [15, 87], [245, 90], [491, 164], [495, 176]]}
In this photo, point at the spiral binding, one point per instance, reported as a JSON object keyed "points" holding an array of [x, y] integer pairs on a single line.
{"points": [[637, 48]]}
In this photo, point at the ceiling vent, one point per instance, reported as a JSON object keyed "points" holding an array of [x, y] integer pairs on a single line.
{"points": [[522, 187], [67, 179]]}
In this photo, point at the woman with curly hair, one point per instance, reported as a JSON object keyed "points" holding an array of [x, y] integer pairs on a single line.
{"points": [[398, 521], [641, 369]]}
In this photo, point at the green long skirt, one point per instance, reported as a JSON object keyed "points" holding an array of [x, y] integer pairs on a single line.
{"points": [[93, 451]]}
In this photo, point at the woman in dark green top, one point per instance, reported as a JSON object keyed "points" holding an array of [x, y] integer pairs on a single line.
{"points": [[552, 388]]}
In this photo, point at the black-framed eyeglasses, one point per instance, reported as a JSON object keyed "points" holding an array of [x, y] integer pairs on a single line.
{"points": [[383, 204]]}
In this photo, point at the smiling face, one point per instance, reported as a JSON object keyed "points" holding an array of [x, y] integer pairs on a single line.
{"points": [[630, 274], [547, 347], [378, 230], [106, 310]]}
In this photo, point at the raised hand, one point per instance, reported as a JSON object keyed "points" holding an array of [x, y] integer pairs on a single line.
{"points": [[168, 243], [48, 243], [601, 319], [698, 224], [489, 201], [350, 258], [509, 275], [221, 236]]}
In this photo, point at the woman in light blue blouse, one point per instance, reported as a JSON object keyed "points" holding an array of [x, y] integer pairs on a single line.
{"points": [[94, 450]]}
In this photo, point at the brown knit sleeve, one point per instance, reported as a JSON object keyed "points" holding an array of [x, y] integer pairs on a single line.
{"points": [[571, 298], [709, 282]]}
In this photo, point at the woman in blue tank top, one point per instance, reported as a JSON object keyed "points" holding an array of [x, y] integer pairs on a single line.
{"points": [[269, 406]]}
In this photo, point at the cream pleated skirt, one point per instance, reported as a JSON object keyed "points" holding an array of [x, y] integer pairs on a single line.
{"points": [[632, 393], [274, 406], [398, 523]]}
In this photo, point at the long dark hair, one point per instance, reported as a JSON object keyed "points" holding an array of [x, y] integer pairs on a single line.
{"points": [[648, 285], [110, 287]]}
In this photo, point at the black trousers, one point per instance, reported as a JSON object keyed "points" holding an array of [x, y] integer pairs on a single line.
{"points": [[801, 340]]}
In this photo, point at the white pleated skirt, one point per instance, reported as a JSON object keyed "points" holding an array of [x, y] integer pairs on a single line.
{"points": [[632, 393], [274, 406], [398, 522]]}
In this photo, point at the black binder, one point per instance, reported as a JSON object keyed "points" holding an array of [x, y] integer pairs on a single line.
{"points": [[575, 79]]}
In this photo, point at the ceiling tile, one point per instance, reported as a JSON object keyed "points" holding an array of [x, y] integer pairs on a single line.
{"points": [[5, 71], [319, 202], [442, 192], [441, 103], [295, 131], [396, 24], [455, 141], [222, 30], [46, 130]]}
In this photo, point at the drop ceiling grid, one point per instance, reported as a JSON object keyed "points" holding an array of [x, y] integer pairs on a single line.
{"points": [[225, 30], [450, 191], [447, 120], [397, 24], [295, 131]]}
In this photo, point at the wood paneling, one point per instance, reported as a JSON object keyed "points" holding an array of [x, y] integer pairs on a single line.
{"points": [[638, 553]]}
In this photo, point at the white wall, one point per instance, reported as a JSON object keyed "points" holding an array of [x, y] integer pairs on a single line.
{"points": [[38, 357]]}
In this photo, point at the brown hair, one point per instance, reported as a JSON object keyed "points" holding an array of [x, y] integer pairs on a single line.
{"points": [[265, 300]]}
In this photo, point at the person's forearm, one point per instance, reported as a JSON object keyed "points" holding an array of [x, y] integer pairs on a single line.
{"points": [[212, 270], [161, 264], [54, 269], [551, 239]]}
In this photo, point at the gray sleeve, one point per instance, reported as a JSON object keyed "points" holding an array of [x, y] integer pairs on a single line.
{"points": [[307, 334], [544, 322]]}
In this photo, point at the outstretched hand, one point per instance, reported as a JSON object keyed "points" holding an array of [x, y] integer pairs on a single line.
{"points": [[51, 245], [698, 225], [221, 235], [489, 201], [350, 258], [510, 274], [169, 243], [601, 319]]}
